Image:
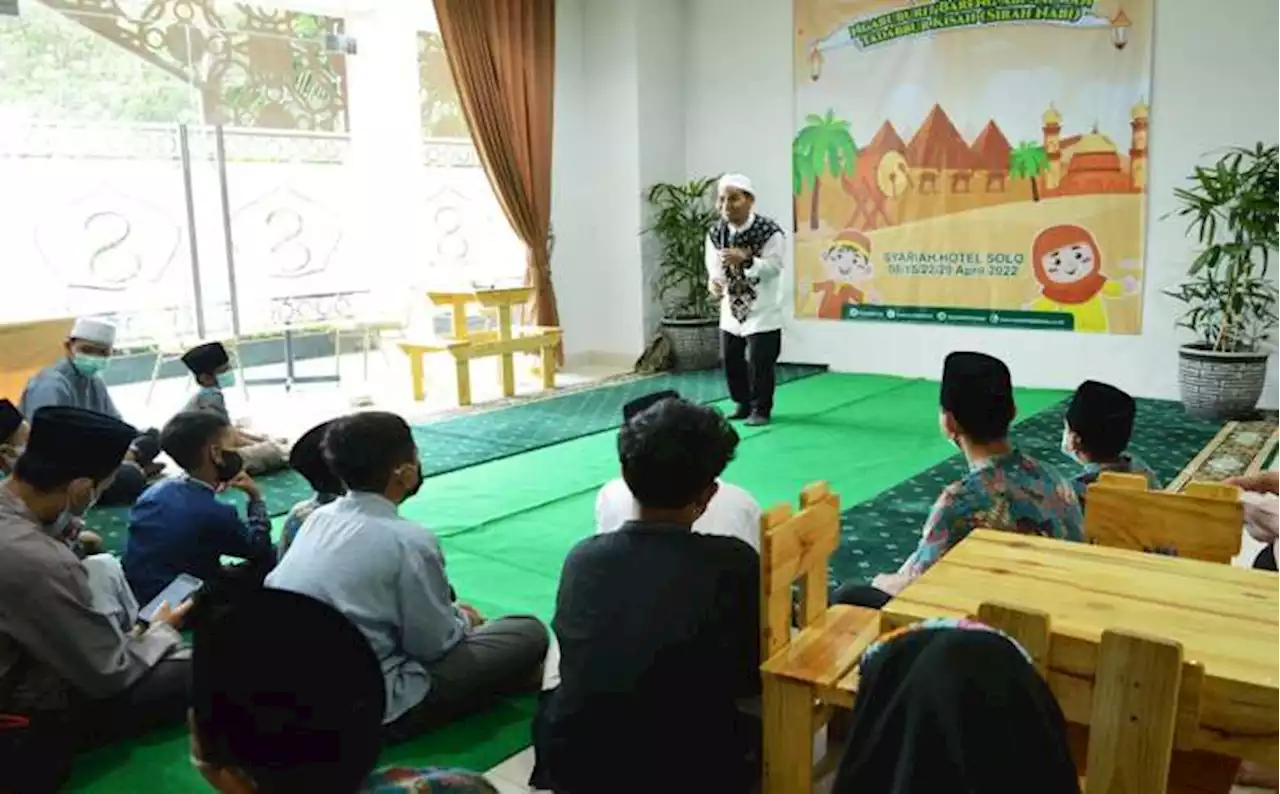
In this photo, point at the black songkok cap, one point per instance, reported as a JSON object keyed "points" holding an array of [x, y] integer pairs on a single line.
{"points": [[641, 404], [78, 443], [205, 359], [10, 420]]}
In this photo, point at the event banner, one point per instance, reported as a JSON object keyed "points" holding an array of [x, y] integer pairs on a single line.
{"points": [[972, 162]]}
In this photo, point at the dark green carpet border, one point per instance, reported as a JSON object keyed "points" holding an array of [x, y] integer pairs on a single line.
{"points": [[461, 442], [879, 534]]}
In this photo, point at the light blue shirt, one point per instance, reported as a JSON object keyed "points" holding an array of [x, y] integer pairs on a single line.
{"points": [[62, 384], [386, 574]]}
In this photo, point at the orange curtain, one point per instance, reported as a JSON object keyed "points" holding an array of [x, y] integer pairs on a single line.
{"points": [[502, 55]]}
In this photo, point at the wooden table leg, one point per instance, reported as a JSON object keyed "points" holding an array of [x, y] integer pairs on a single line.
{"points": [[459, 318], [508, 359], [788, 742], [462, 367], [416, 374], [548, 367]]}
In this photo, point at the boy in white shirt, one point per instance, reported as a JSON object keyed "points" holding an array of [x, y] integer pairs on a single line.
{"points": [[732, 512]]}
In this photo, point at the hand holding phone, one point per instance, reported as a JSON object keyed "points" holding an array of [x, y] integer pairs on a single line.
{"points": [[178, 593], [174, 617]]}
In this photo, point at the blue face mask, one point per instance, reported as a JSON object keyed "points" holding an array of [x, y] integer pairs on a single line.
{"points": [[89, 365], [227, 379]]}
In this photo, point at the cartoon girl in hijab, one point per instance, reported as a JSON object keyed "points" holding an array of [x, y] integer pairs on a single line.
{"points": [[1068, 265]]}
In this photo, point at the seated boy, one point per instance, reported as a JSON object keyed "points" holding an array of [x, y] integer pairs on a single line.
{"points": [[211, 367], [295, 725], [733, 512], [1004, 488], [178, 526], [307, 458], [14, 431], [1096, 433], [658, 628], [385, 573]]}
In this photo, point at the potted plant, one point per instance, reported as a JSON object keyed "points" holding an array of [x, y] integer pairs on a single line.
{"points": [[1231, 207], [683, 214]]}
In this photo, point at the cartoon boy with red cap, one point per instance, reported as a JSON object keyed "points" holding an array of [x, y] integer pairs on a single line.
{"points": [[848, 263]]}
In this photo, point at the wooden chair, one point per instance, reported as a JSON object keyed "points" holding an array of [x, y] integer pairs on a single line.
{"points": [[801, 674], [1203, 522], [1144, 712]]}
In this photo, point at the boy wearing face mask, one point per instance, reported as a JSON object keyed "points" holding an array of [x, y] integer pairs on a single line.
{"points": [[178, 525], [59, 653], [1096, 433], [211, 367], [440, 659], [75, 382]]}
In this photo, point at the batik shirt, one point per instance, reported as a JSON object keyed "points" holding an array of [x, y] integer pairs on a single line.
{"points": [[427, 780], [1010, 492], [1127, 464]]}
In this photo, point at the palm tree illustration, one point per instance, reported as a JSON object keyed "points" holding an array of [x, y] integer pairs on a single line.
{"points": [[1028, 161], [823, 147]]}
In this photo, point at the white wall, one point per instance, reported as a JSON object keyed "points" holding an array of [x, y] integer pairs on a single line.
{"points": [[1214, 84], [619, 128]]}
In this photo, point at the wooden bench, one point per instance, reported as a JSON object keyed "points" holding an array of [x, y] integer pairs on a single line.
{"points": [[505, 344], [1203, 522], [801, 675]]}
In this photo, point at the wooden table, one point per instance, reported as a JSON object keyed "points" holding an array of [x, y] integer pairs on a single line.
{"points": [[1226, 619], [505, 342]]}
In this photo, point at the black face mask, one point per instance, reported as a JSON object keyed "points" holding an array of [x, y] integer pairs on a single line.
{"points": [[231, 465], [417, 486]]}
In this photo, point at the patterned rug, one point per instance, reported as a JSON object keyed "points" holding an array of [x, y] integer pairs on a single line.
{"points": [[476, 437], [1239, 448], [878, 535]]}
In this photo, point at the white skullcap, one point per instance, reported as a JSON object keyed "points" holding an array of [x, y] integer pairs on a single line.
{"points": [[740, 181], [95, 331]]}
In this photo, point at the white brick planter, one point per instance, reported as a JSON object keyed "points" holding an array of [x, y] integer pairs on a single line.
{"points": [[1220, 385]]}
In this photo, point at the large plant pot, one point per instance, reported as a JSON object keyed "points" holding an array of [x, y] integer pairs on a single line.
{"points": [[1220, 385], [695, 343]]}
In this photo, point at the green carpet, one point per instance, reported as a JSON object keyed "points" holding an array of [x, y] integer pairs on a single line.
{"points": [[507, 525], [473, 439]]}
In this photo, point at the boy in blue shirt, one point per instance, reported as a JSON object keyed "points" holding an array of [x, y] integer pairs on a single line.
{"points": [[179, 526], [211, 367], [307, 458]]}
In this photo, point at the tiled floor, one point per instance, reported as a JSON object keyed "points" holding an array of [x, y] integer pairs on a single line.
{"points": [[289, 414]]}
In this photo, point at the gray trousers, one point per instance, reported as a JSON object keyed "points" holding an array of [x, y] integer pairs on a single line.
{"points": [[502, 657]]}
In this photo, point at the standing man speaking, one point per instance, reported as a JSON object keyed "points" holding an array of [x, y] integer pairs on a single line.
{"points": [[744, 261]]}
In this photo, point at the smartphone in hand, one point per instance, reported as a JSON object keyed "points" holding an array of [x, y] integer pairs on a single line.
{"points": [[183, 587]]}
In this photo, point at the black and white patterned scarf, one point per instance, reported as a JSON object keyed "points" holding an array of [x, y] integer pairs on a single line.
{"points": [[740, 289]]}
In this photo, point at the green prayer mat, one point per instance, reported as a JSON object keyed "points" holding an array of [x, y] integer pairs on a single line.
{"points": [[507, 525]]}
